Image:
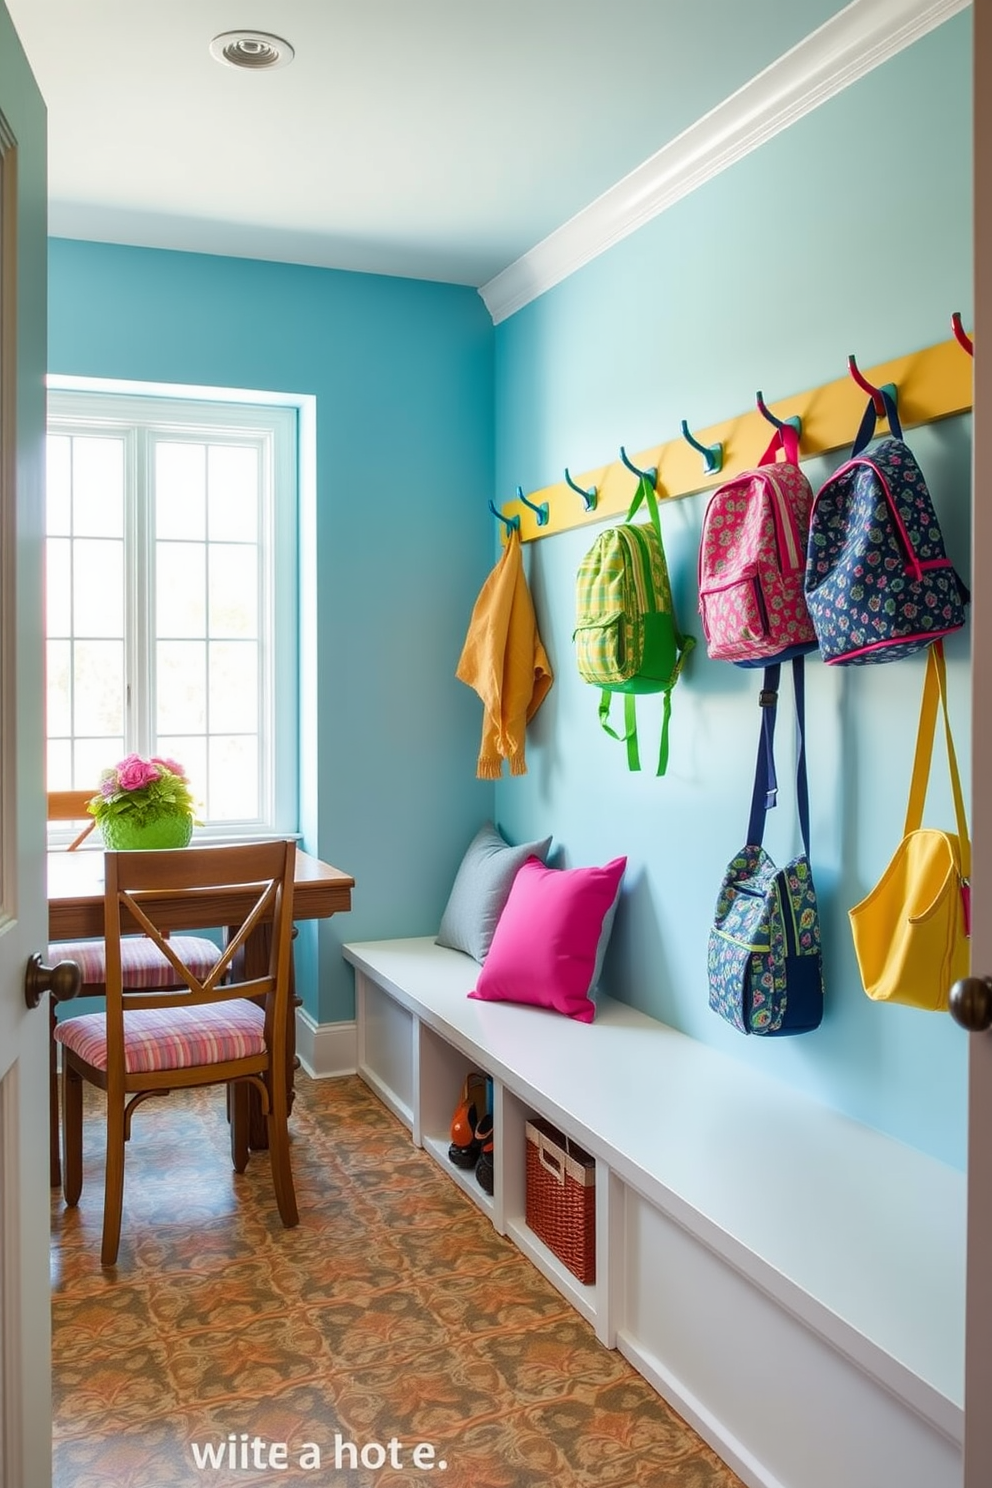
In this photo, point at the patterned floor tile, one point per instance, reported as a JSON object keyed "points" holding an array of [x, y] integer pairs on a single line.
{"points": [[551, 1362], [106, 1391], [393, 1321], [212, 1303], [112, 1320], [505, 1298], [267, 1354], [150, 1455]]}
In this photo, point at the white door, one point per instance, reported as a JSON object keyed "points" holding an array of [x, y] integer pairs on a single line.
{"points": [[25, 1368], [978, 1344]]}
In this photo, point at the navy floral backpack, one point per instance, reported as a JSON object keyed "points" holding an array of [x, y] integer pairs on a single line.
{"points": [[764, 964], [879, 583]]}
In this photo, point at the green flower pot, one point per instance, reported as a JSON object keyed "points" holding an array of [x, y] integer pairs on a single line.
{"points": [[127, 833]]}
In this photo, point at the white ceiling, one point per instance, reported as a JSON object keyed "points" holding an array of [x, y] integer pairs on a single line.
{"points": [[437, 139]]}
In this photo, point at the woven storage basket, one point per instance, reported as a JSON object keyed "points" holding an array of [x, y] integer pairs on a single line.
{"points": [[561, 1197]]}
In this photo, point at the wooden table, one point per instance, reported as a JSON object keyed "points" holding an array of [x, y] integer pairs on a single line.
{"points": [[75, 912]]}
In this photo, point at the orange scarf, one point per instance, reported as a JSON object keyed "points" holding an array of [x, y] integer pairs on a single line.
{"points": [[504, 661]]}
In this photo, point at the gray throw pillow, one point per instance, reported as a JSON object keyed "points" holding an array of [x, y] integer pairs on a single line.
{"points": [[481, 888]]}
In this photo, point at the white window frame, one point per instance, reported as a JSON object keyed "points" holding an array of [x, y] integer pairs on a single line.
{"points": [[272, 420]]}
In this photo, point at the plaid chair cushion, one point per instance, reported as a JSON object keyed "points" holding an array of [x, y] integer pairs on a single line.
{"points": [[171, 1038], [142, 963]]}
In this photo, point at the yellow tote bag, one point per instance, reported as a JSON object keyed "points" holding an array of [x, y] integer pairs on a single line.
{"points": [[911, 933]]}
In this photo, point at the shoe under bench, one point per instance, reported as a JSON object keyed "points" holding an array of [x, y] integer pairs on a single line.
{"points": [[791, 1281]]}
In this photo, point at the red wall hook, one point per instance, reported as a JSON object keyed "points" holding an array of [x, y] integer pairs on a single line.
{"points": [[873, 392], [961, 335]]}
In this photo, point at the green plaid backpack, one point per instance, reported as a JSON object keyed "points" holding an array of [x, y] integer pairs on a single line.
{"points": [[626, 636]]}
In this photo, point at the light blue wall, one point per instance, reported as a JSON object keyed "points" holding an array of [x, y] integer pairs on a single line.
{"points": [[851, 231], [402, 375]]}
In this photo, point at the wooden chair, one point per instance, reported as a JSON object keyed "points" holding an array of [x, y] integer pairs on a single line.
{"points": [[209, 1031], [71, 806], [143, 965]]}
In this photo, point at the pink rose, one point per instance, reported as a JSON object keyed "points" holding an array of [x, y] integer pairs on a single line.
{"points": [[173, 766], [134, 772]]}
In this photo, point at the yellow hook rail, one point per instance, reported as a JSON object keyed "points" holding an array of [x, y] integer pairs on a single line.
{"points": [[933, 384]]}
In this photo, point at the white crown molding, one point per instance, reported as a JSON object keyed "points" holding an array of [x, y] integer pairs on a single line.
{"points": [[852, 43]]}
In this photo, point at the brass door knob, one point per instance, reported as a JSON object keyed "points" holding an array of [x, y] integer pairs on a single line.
{"points": [[970, 1003], [63, 980]]}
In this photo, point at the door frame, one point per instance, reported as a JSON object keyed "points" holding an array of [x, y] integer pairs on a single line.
{"points": [[25, 1335], [978, 1322]]}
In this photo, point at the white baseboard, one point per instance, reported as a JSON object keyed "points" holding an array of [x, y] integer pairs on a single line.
{"points": [[691, 1409], [326, 1049]]}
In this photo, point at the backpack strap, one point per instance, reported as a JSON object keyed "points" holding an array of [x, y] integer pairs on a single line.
{"points": [[934, 695], [645, 493], [791, 548], [765, 792], [866, 430], [684, 644], [802, 782], [785, 439], [629, 735]]}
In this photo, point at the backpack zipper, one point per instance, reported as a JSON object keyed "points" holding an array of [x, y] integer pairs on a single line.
{"points": [[913, 563], [641, 570], [786, 533], [759, 599], [735, 583], [755, 947], [788, 917]]}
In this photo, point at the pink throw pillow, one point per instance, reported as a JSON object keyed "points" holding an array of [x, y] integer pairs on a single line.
{"points": [[548, 946]]}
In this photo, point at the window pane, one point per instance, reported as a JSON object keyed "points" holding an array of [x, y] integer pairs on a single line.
{"points": [[181, 699], [97, 487], [58, 666], [234, 685], [98, 688], [180, 592], [233, 788], [233, 476], [58, 772], [233, 590], [165, 519], [58, 586], [180, 490], [93, 756], [58, 486], [98, 588], [190, 751]]}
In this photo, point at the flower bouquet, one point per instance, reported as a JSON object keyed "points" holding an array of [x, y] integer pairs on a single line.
{"points": [[144, 803]]}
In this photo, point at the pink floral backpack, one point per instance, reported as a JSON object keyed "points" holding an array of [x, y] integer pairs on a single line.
{"points": [[752, 561]]}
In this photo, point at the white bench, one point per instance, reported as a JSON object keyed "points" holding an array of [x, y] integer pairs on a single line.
{"points": [[791, 1281]]}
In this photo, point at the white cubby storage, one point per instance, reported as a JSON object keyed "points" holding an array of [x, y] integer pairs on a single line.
{"points": [[441, 1074], [791, 1281]]}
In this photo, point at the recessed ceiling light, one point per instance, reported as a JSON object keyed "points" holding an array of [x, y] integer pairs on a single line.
{"points": [[252, 49]]}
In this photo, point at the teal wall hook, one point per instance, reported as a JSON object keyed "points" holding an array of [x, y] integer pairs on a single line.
{"points": [[512, 524], [588, 496], [651, 474], [712, 453], [542, 510]]}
